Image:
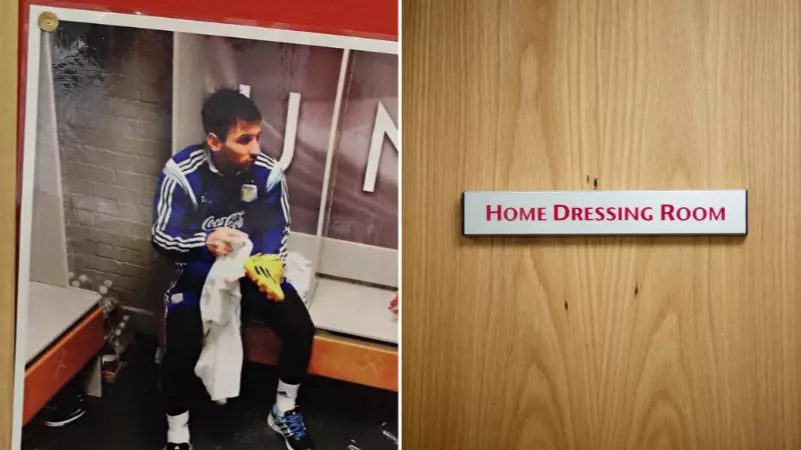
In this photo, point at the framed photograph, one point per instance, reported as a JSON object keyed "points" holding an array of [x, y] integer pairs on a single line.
{"points": [[214, 195]]}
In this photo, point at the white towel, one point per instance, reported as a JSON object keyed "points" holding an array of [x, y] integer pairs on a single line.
{"points": [[299, 273], [220, 363]]}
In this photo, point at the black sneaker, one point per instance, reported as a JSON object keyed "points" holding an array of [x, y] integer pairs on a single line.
{"points": [[64, 411], [179, 447], [292, 428]]}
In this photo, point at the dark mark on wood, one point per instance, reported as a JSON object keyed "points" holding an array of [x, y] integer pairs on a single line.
{"points": [[565, 306], [595, 184], [636, 288]]}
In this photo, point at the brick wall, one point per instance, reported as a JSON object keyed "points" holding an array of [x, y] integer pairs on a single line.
{"points": [[113, 101]]}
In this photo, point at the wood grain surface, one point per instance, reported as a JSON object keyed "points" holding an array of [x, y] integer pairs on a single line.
{"points": [[8, 211], [601, 343]]}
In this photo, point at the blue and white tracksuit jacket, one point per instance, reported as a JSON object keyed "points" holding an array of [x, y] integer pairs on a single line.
{"points": [[193, 198]]}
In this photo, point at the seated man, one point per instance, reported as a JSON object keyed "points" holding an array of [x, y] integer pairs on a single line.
{"points": [[209, 196]]}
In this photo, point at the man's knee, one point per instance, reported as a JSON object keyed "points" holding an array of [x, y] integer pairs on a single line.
{"points": [[306, 327], [299, 325]]}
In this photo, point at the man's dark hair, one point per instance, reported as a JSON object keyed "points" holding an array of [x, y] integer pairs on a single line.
{"points": [[222, 109]]}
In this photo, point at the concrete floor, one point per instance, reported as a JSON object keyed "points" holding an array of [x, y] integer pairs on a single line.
{"points": [[129, 416]]}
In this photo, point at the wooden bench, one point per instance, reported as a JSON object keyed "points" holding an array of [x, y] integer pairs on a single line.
{"points": [[341, 358], [333, 356], [65, 332], [338, 356], [350, 310]]}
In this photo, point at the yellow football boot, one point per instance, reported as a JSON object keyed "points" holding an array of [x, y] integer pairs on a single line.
{"points": [[267, 272]]}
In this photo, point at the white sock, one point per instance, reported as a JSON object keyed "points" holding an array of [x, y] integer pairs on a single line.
{"points": [[178, 429], [285, 400]]}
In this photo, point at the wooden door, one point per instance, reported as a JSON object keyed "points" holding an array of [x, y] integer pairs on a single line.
{"points": [[639, 343], [8, 206]]}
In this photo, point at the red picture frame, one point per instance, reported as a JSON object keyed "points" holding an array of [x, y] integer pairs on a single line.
{"points": [[377, 19]]}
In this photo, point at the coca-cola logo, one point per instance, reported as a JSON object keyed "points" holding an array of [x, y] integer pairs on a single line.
{"points": [[235, 221]]}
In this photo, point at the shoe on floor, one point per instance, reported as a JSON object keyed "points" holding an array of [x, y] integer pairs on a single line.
{"points": [[178, 447], [292, 428], [64, 411]]}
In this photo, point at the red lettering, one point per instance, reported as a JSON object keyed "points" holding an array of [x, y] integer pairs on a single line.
{"points": [[702, 212], [699, 214], [667, 212], [600, 213], [565, 212], [531, 214]]}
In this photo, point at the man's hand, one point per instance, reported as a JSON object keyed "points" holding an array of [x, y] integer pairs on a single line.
{"points": [[222, 240]]}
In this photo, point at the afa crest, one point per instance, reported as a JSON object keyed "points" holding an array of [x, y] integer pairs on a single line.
{"points": [[249, 193]]}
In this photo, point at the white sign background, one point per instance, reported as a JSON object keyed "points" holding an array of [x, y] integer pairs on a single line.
{"points": [[553, 213]]}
